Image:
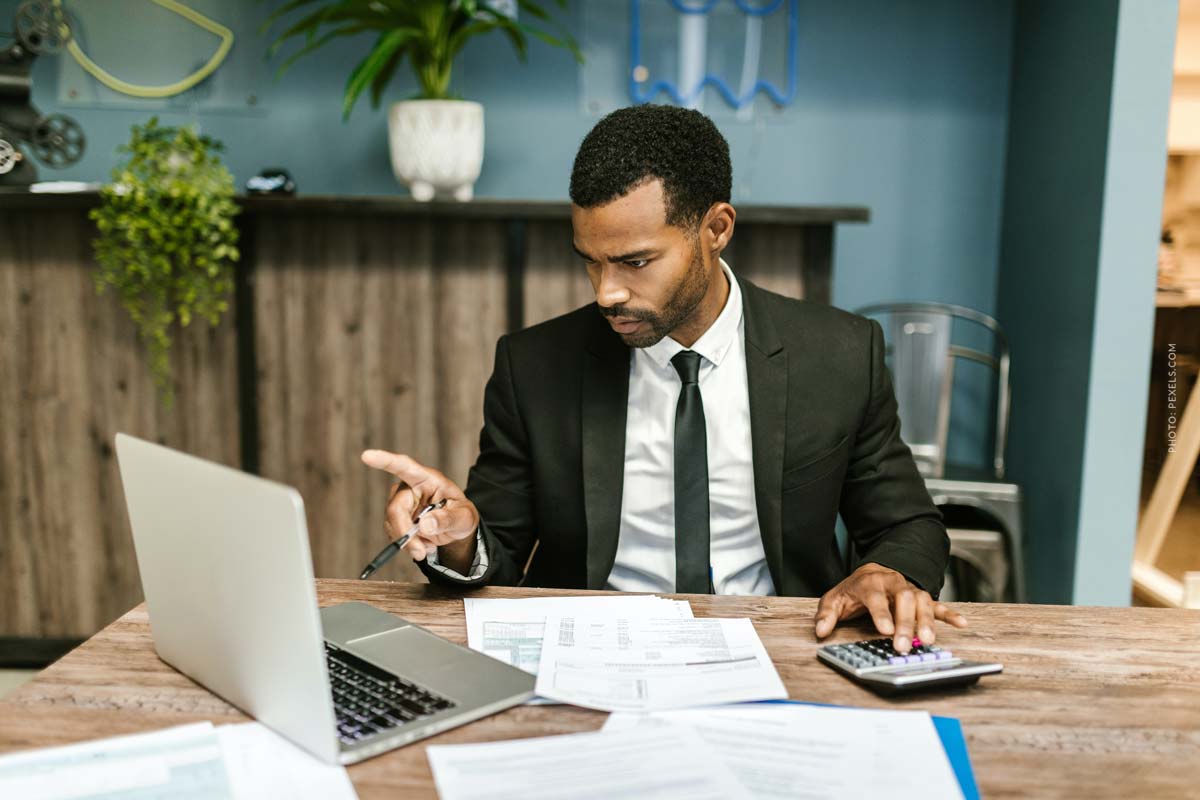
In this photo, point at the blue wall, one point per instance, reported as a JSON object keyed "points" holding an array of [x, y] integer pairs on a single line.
{"points": [[1087, 151], [902, 107], [1124, 306]]}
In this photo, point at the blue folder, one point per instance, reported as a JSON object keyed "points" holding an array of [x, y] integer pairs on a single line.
{"points": [[949, 730]]}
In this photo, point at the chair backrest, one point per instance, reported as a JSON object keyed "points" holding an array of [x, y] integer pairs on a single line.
{"points": [[922, 353]]}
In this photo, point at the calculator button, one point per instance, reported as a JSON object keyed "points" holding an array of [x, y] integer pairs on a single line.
{"points": [[929, 656], [944, 654], [897, 660]]}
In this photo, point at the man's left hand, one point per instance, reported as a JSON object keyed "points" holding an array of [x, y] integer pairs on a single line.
{"points": [[897, 606]]}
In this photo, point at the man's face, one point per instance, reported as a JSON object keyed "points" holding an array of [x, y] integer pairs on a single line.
{"points": [[649, 277]]}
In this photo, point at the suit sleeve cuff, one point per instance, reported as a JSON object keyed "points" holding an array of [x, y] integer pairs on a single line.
{"points": [[478, 566]]}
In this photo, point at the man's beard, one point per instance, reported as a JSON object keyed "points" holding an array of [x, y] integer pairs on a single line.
{"points": [[683, 301]]}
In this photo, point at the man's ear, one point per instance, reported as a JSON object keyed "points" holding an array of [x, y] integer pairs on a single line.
{"points": [[716, 229]]}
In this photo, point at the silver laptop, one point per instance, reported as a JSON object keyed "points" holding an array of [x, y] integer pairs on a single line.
{"points": [[228, 578]]}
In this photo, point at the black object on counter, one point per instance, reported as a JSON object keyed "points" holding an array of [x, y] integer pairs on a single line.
{"points": [[272, 180]]}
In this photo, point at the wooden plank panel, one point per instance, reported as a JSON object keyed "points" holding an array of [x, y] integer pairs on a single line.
{"points": [[470, 315], [76, 375], [817, 266], [555, 279], [769, 256], [371, 333], [310, 291], [398, 358], [19, 608]]}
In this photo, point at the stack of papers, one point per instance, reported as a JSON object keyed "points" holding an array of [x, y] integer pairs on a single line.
{"points": [[633, 664], [682, 724], [230, 762], [624, 652], [626, 764], [511, 630], [815, 752], [760, 751]]}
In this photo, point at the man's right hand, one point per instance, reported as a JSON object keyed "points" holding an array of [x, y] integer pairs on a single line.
{"points": [[451, 529]]}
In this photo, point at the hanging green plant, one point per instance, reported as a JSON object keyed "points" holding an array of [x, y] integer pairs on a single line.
{"points": [[167, 240]]}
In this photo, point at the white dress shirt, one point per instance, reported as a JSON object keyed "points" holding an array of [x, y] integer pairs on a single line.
{"points": [[645, 559], [646, 547]]}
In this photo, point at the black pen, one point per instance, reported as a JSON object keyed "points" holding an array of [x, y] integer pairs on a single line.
{"points": [[392, 548]]}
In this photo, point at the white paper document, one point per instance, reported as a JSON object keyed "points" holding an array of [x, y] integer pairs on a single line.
{"points": [[799, 752], [188, 762], [584, 766], [510, 629], [182, 763], [263, 764], [631, 664]]}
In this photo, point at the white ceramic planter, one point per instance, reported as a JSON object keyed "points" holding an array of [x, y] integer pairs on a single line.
{"points": [[436, 146]]}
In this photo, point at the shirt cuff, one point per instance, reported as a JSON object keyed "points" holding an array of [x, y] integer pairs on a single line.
{"points": [[478, 566]]}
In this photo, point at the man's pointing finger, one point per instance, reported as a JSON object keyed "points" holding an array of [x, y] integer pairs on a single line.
{"points": [[403, 467]]}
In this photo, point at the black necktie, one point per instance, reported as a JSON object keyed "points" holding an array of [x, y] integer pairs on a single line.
{"points": [[691, 480]]}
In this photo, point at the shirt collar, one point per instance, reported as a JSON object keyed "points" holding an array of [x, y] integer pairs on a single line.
{"points": [[714, 343]]}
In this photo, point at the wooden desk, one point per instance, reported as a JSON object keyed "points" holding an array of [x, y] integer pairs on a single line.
{"points": [[1093, 702]]}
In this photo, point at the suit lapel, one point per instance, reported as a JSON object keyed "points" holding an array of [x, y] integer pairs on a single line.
{"points": [[766, 379], [605, 402]]}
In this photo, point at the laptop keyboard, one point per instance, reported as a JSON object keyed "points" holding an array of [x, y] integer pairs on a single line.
{"points": [[369, 700]]}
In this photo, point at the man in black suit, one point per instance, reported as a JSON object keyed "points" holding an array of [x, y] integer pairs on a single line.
{"points": [[688, 431]]}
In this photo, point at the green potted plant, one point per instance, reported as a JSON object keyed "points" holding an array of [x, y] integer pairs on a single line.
{"points": [[436, 139], [166, 237]]}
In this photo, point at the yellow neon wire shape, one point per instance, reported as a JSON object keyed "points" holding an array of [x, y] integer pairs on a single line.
{"points": [[190, 14]]}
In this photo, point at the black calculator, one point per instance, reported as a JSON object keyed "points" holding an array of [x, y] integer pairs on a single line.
{"points": [[875, 664]]}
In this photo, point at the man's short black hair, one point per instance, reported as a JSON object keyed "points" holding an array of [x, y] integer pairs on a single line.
{"points": [[679, 146]]}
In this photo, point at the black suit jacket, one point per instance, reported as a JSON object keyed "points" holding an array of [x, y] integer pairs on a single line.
{"points": [[824, 430]]}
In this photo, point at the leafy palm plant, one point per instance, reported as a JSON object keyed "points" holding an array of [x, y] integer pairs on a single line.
{"points": [[429, 33]]}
